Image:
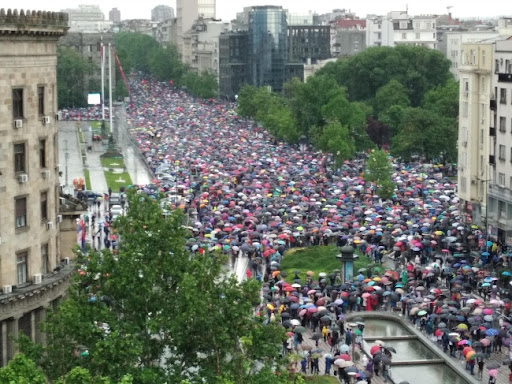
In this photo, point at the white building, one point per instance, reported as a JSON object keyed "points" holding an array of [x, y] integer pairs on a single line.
{"points": [[477, 131], [87, 19], [398, 27], [454, 41], [187, 12], [499, 200], [201, 45]]}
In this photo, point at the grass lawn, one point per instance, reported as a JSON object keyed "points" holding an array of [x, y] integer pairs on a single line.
{"points": [[112, 162], [111, 178], [96, 126], [81, 136], [317, 259], [321, 380], [87, 178]]}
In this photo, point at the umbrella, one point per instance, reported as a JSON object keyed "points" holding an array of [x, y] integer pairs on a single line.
{"points": [[295, 322], [299, 329], [391, 349], [493, 365], [343, 363], [345, 356], [316, 336], [491, 332], [379, 343]]}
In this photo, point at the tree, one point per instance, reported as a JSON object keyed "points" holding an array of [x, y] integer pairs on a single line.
{"points": [[72, 73], [418, 69], [253, 102], [170, 316], [335, 139], [378, 171], [203, 85], [279, 122], [426, 134], [390, 95], [21, 370]]}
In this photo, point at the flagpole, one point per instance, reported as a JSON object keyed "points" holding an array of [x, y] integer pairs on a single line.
{"points": [[110, 112], [102, 58]]}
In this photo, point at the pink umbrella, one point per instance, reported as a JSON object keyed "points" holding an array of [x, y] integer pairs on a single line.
{"points": [[303, 312], [487, 311]]}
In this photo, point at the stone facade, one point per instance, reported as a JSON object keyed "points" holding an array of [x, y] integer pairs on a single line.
{"points": [[32, 271]]}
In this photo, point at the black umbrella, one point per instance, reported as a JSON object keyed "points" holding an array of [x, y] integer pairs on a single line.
{"points": [[386, 360], [391, 349], [493, 365], [316, 336], [326, 319]]}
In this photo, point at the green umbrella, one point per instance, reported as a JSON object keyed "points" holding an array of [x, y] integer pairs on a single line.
{"points": [[299, 329], [421, 313], [358, 332]]}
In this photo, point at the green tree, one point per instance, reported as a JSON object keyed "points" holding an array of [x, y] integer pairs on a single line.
{"points": [[426, 134], [306, 100], [379, 171], [443, 100], [21, 370], [335, 139], [418, 69], [203, 85], [72, 73], [165, 63], [171, 317], [253, 102], [279, 122], [391, 95]]}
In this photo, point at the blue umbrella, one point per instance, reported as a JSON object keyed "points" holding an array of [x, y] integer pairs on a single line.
{"points": [[491, 332], [488, 280], [485, 253], [506, 273], [486, 284]]}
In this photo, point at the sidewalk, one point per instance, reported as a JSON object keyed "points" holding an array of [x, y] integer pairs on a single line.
{"points": [[96, 175], [68, 143]]}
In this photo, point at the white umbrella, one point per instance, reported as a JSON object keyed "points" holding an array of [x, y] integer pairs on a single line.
{"points": [[294, 322], [343, 363]]}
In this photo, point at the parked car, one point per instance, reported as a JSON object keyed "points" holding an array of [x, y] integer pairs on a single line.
{"points": [[115, 198], [116, 210], [96, 138], [89, 196]]}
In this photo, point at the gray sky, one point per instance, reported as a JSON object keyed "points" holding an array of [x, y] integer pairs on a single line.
{"points": [[226, 9]]}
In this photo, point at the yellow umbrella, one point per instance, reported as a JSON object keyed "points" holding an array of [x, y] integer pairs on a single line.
{"points": [[462, 326], [270, 306], [377, 278]]}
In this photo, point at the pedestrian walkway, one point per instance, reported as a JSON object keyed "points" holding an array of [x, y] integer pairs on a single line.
{"points": [[96, 175], [70, 157]]}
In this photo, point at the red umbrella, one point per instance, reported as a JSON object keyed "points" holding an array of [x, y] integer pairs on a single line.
{"points": [[374, 349], [344, 356]]}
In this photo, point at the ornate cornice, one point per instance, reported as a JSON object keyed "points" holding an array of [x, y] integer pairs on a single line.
{"points": [[33, 23]]}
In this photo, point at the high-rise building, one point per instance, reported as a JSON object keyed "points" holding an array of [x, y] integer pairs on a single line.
{"points": [[114, 15], [187, 12], [87, 18], [162, 13], [268, 45], [33, 273]]}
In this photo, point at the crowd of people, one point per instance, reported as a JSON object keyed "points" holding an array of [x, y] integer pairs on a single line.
{"points": [[248, 194]]}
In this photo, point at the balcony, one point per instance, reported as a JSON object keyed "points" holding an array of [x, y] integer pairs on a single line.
{"points": [[505, 77], [492, 160], [492, 104], [492, 131]]}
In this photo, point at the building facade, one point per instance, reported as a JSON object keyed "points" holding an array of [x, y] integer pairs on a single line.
{"points": [[162, 13], [454, 42], [499, 199], [398, 27], [233, 63], [89, 47], [87, 18], [33, 274], [308, 44], [348, 37], [477, 132], [187, 12], [114, 15], [165, 32], [201, 45]]}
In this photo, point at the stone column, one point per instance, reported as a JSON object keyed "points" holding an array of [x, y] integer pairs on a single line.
{"points": [[5, 340], [12, 331], [33, 325]]}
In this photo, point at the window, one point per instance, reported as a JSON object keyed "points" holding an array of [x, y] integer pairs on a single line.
{"points": [[44, 259], [44, 206], [21, 212], [19, 157], [21, 267], [501, 179], [40, 100], [502, 154], [503, 124], [483, 57], [416, 25], [503, 96], [496, 66], [464, 109], [465, 85], [481, 138], [17, 103], [418, 36], [404, 36], [42, 153]]}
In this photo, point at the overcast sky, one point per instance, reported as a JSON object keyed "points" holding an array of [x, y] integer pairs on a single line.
{"points": [[227, 9]]}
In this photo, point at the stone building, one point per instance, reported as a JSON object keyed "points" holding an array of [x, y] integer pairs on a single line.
{"points": [[114, 15], [34, 273], [162, 13], [88, 45]]}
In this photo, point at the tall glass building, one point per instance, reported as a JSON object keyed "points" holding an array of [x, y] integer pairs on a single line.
{"points": [[206, 8], [268, 45]]}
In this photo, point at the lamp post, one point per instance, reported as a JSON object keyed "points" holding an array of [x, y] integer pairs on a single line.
{"points": [[347, 263]]}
